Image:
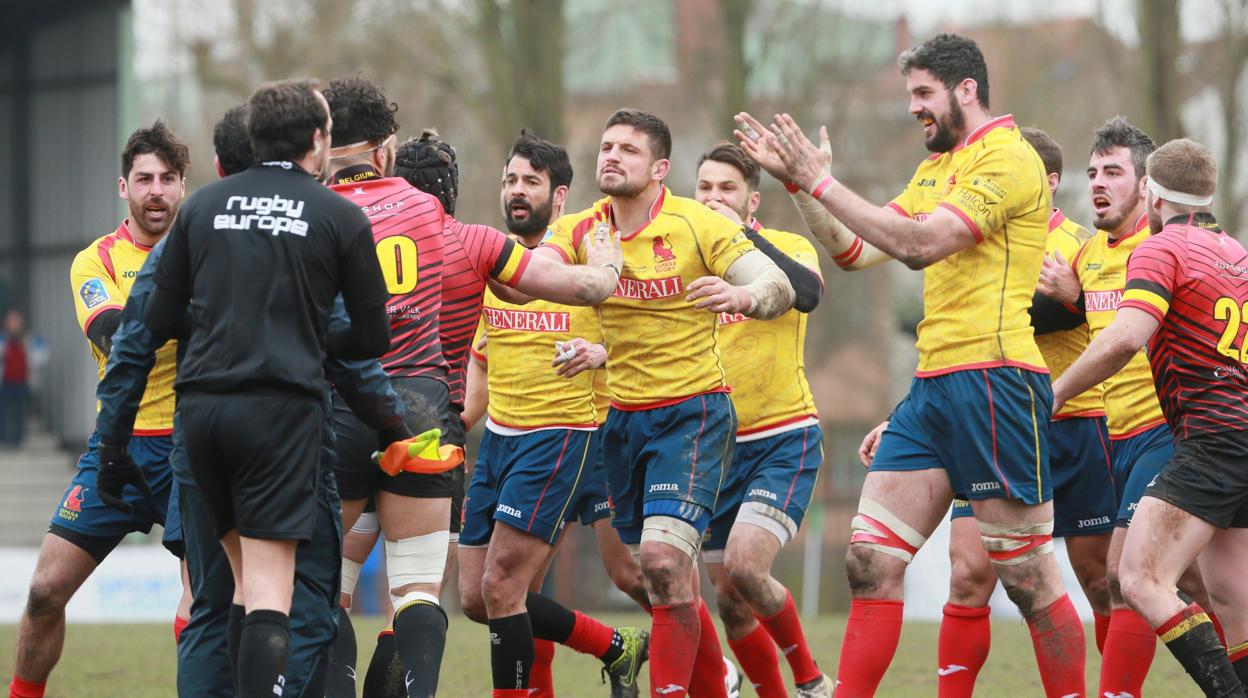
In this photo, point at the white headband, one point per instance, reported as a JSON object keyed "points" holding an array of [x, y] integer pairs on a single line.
{"points": [[357, 148], [1177, 197]]}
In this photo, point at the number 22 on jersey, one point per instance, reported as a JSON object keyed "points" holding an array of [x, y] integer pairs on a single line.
{"points": [[1232, 313]]}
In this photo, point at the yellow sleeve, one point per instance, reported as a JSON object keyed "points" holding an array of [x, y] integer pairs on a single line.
{"points": [[592, 327], [93, 288], [903, 203], [801, 251], [994, 186], [721, 241], [1062, 241], [566, 236]]}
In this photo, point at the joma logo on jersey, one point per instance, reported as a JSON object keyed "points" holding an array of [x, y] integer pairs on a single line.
{"points": [[731, 318], [928, 182], [649, 289], [1102, 301], [527, 320], [985, 486], [510, 511]]}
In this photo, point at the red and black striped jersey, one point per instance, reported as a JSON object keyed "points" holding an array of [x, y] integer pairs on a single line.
{"points": [[473, 254], [407, 231], [1193, 278]]}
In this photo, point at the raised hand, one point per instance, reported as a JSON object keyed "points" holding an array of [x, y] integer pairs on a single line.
{"points": [[804, 161], [752, 136]]}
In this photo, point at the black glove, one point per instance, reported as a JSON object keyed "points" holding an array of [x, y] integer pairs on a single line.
{"points": [[117, 471], [389, 435]]}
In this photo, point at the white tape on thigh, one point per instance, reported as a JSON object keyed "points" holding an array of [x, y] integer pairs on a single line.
{"points": [[411, 598], [713, 557], [417, 560], [1012, 545], [350, 575], [634, 549], [675, 532], [367, 523], [771, 519], [877, 528]]}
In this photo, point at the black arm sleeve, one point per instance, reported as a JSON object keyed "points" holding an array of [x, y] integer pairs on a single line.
{"points": [[367, 337], [1048, 315], [100, 331], [807, 286]]}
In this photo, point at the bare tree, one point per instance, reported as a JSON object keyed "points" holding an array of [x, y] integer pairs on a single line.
{"points": [[1230, 87], [1158, 23], [522, 43]]}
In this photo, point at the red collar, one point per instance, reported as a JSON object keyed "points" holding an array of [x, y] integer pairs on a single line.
{"points": [[655, 208], [123, 232], [1005, 121], [1140, 224], [755, 225], [1056, 219]]}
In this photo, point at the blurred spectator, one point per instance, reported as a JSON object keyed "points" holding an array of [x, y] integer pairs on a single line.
{"points": [[18, 357]]}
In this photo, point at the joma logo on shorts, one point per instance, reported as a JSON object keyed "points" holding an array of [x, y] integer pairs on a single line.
{"points": [[665, 487], [602, 506], [1098, 521], [757, 492], [985, 486], [510, 511]]}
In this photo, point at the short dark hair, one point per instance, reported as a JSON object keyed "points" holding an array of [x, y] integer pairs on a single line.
{"points": [[282, 118], [544, 156], [731, 154], [649, 124], [360, 111], [952, 58], [230, 141], [430, 165], [159, 140], [1049, 151], [1185, 166], [1120, 133]]}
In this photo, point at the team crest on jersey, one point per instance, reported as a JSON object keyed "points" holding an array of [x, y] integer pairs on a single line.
{"points": [[664, 257], [93, 293], [72, 506]]}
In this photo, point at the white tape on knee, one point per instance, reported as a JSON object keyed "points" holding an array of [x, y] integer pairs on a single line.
{"points": [[877, 528], [412, 598], [675, 532], [634, 549], [367, 523], [1012, 545], [713, 557], [350, 575], [417, 560], [771, 519]]}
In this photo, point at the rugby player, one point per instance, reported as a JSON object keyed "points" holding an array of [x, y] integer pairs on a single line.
{"points": [[973, 423], [1084, 503], [669, 433], [1185, 295], [96, 510], [203, 656], [535, 456], [779, 445], [251, 382], [1140, 439]]}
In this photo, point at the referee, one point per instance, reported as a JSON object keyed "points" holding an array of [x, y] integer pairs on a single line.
{"points": [[260, 257]]}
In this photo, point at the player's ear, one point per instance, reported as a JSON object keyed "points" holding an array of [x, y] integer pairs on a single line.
{"points": [[559, 198], [969, 91], [755, 200], [121, 188], [660, 168]]}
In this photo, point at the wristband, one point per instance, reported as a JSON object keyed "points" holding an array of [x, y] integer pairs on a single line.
{"points": [[613, 268], [822, 187], [791, 188]]}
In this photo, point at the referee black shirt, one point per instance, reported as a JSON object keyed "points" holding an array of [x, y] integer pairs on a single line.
{"points": [[260, 257]]}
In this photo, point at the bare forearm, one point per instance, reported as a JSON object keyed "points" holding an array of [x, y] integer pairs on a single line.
{"points": [[898, 237], [1104, 357], [570, 284]]}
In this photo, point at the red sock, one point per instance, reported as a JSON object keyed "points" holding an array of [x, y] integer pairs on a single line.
{"points": [[757, 654], [786, 629], [868, 647], [1217, 627], [179, 624], [511, 693], [541, 680], [25, 689], [590, 636], [1129, 648], [1061, 650], [1102, 629], [708, 666], [674, 637], [965, 637]]}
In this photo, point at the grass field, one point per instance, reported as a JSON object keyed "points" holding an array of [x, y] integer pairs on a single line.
{"points": [[137, 661]]}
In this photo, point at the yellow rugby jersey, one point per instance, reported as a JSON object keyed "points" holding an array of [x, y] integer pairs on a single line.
{"points": [[602, 395], [660, 348], [101, 276], [1130, 398], [1060, 349], [764, 360], [975, 302], [525, 393]]}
